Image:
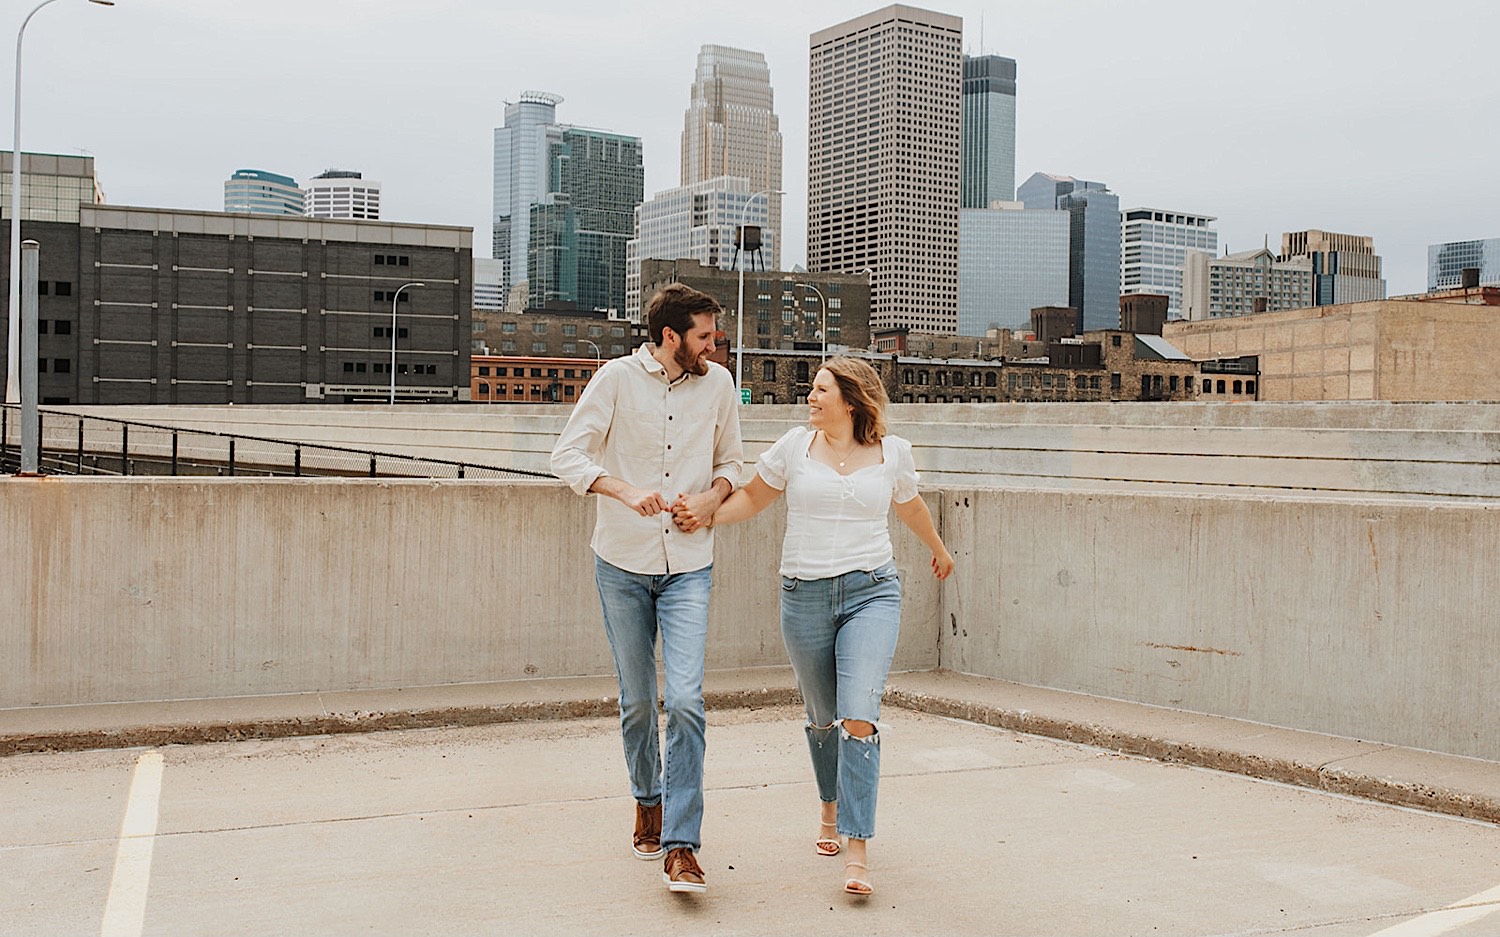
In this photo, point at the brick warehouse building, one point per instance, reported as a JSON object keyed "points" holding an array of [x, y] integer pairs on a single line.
{"points": [[145, 305]]}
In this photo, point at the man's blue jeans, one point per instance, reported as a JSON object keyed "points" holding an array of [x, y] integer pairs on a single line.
{"points": [[841, 635], [636, 606]]}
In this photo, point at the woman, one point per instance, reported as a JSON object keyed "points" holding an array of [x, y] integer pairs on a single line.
{"points": [[840, 594]]}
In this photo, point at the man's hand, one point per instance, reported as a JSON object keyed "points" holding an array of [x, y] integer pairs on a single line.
{"points": [[692, 512], [643, 502]]}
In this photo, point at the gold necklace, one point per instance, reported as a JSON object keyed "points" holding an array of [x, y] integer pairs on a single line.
{"points": [[847, 454]]}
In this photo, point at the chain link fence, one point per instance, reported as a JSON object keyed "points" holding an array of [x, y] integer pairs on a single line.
{"points": [[71, 444]]}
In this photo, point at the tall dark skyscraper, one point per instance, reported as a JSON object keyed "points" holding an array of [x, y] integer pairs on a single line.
{"points": [[988, 161]]}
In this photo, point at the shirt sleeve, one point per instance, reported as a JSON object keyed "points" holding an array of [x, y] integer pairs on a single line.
{"points": [[729, 449], [905, 485], [773, 468], [575, 457]]}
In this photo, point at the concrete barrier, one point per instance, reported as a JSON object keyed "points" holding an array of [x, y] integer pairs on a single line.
{"points": [[1370, 618], [154, 588]]}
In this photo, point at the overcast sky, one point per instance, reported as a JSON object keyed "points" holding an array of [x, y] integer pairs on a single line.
{"points": [[1370, 117]]}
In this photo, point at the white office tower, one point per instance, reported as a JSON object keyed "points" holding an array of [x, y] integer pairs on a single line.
{"points": [[695, 222], [1153, 251], [885, 94], [489, 288], [731, 129], [339, 193]]}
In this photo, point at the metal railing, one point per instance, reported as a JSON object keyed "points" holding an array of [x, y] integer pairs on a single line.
{"points": [[73, 444]]}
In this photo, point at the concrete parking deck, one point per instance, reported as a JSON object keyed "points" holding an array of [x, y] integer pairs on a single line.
{"points": [[522, 826]]}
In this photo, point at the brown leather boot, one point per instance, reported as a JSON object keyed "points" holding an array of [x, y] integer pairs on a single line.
{"points": [[681, 871], [646, 843]]}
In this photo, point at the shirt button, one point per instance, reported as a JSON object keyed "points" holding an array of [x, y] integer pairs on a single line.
{"points": [[669, 445], [669, 417]]}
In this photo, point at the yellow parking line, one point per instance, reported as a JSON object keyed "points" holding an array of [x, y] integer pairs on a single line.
{"points": [[125, 910]]}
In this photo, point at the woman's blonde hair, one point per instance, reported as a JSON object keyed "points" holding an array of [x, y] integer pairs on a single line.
{"points": [[861, 387]]}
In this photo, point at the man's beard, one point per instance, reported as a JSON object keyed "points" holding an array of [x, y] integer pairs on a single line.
{"points": [[693, 365]]}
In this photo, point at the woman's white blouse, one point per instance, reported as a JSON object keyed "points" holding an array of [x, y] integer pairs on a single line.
{"points": [[836, 524]]}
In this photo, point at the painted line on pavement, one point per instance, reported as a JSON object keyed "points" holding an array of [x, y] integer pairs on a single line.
{"points": [[125, 910], [1454, 916]]}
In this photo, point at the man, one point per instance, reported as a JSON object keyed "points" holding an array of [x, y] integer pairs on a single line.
{"points": [[661, 423]]}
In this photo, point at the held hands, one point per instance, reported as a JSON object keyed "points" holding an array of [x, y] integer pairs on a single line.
{"points": [[694, 512]]}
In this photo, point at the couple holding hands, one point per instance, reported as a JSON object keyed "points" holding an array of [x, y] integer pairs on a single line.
{"points": [[664, 419]]}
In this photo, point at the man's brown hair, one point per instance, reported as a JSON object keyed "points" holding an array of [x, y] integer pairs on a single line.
{"points": [[674, 306]]}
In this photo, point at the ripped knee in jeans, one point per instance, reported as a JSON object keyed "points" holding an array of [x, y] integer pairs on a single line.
{"points": [[859, 730]]}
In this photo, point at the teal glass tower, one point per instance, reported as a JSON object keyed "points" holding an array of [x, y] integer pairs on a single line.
{"points": [[987, 156]]}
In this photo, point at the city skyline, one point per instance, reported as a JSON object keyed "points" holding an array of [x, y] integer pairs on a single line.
{"points": [[1225, 142]]}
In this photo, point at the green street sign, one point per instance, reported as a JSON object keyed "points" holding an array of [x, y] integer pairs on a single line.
{"points": [[744, 395]]}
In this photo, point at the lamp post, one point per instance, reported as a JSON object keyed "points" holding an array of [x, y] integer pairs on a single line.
{"points": [[598, 358], [739, 312], [824, 302], [395, 297], [13, 345]]}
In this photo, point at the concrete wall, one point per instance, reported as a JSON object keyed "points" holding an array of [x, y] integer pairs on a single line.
{"points": [[1372, 618], [1364, 617], [148, 589]]}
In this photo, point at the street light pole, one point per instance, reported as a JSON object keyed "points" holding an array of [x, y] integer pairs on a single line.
{"points": [[13, 345], [739, 313], [824, 302], [598, 358], [395, 297]]}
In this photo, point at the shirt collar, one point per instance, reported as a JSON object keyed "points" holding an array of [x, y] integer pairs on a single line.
{"points": [[646, 356]]}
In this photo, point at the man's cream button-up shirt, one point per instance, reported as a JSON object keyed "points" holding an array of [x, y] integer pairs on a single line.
{"points": [[672, 438]]}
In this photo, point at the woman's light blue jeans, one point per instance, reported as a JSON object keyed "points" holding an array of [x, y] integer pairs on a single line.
{"points": [[636, 606], [841, 634]]}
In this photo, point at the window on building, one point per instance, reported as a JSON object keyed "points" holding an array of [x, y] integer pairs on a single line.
{"points": [[1114, 380], [359, 367], [483, 389], [538, 348], [922, 379], [802, 372], [484, 371], [1172, 383], [536, 372], [508, 328], [768, 398], [1220, 388], [62, 288], [1208, 387], [508, 346], [62, 327], [1239, 387], [570, 330], [906, 377], [1080, 382], [596, 331], [538, 328], [41, 365], [1114, 340], [1187, 384], [990, 379], [348, 367], [617, 350], [617, 331], [768, 370], [1093, 382], [569, 348], [41, 326], [41, 286], [942, 378], [1249, 387]]}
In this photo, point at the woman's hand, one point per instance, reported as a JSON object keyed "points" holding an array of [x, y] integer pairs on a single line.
{"points": [[942, 564]]}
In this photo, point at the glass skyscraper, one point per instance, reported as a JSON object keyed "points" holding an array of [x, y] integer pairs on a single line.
{"points": [[578, 232], [1011, 261], [1153, 246], [572, 191], [521, 149], [1093, 242], [262, 193], [1445, 263], [987, 159]]}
